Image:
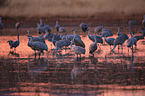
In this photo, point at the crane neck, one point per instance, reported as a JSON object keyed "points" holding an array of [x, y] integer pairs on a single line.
{"points": [[118, 30], [89, 33], [31, 40], [131, 35], [95, 39], [56, 22], [40, 21], [18, 37], [28, 33], [103, 28], [71, 44]]}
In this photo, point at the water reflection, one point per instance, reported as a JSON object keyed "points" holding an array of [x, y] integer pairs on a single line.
{"points": [[67, 75], [36, 67], [84, 70], [12, 53]]}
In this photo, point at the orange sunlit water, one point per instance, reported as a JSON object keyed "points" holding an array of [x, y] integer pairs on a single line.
{"points": [[54, 72]]}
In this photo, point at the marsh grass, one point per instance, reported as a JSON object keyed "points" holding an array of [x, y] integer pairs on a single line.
{"points": [[71, 8]]}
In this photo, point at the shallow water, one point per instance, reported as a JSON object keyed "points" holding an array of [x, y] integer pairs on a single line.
{"points": [[105, 74]]}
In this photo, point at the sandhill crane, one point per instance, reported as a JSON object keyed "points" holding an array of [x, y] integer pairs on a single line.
{"points": [[131, 23], [40, 29], [131, 41], [17, 25], [98, 29], [93, 46], [39, 46], [41, 24], [59, 44], [119, 41], [110, 41], [67, 42], [48, 36], [78, 50], [29, 45], [143, 21], [15, 43], [106, 32], [39, 38], [91, 37], [10, 42], [47, 27], [62, 30], [78, 42], [84, 27], [119, 34], [57, 26], [63, 37], [53, 40], [70, 37], [139, 37], [142, 31], [1, 24]]}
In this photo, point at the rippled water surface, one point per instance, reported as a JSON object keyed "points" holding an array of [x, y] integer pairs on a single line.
{"points": [[106, 74]]}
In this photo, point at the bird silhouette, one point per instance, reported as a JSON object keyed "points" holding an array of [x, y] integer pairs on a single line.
{"points": [[143, 21], [47, 27], [119, 41], [39, 38], [84, 27], [106, 32], [40, 28], [131, 23], [78, 50], [98, 29], [57, 26], [1, 24], [131, 41], [93, 46], [10, 42], [70, 37], [110, 41], [17, 25], [39, 46], [62, 30], [78, 41], [15, 44], [91, 37]]}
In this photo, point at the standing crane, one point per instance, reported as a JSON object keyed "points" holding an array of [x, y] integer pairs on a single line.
{"points": [[78, 50], [119, 41], [84, 27], [1, 24], [93, 46], [110, 41], [143, 21], [17, 25], [57, 26], [131, 41], [15, 44], [39, 46]]}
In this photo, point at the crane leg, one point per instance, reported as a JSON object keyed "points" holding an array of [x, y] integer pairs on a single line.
{"points": [[39, 55], [132, 49], [122, 48], [35, 54]]}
